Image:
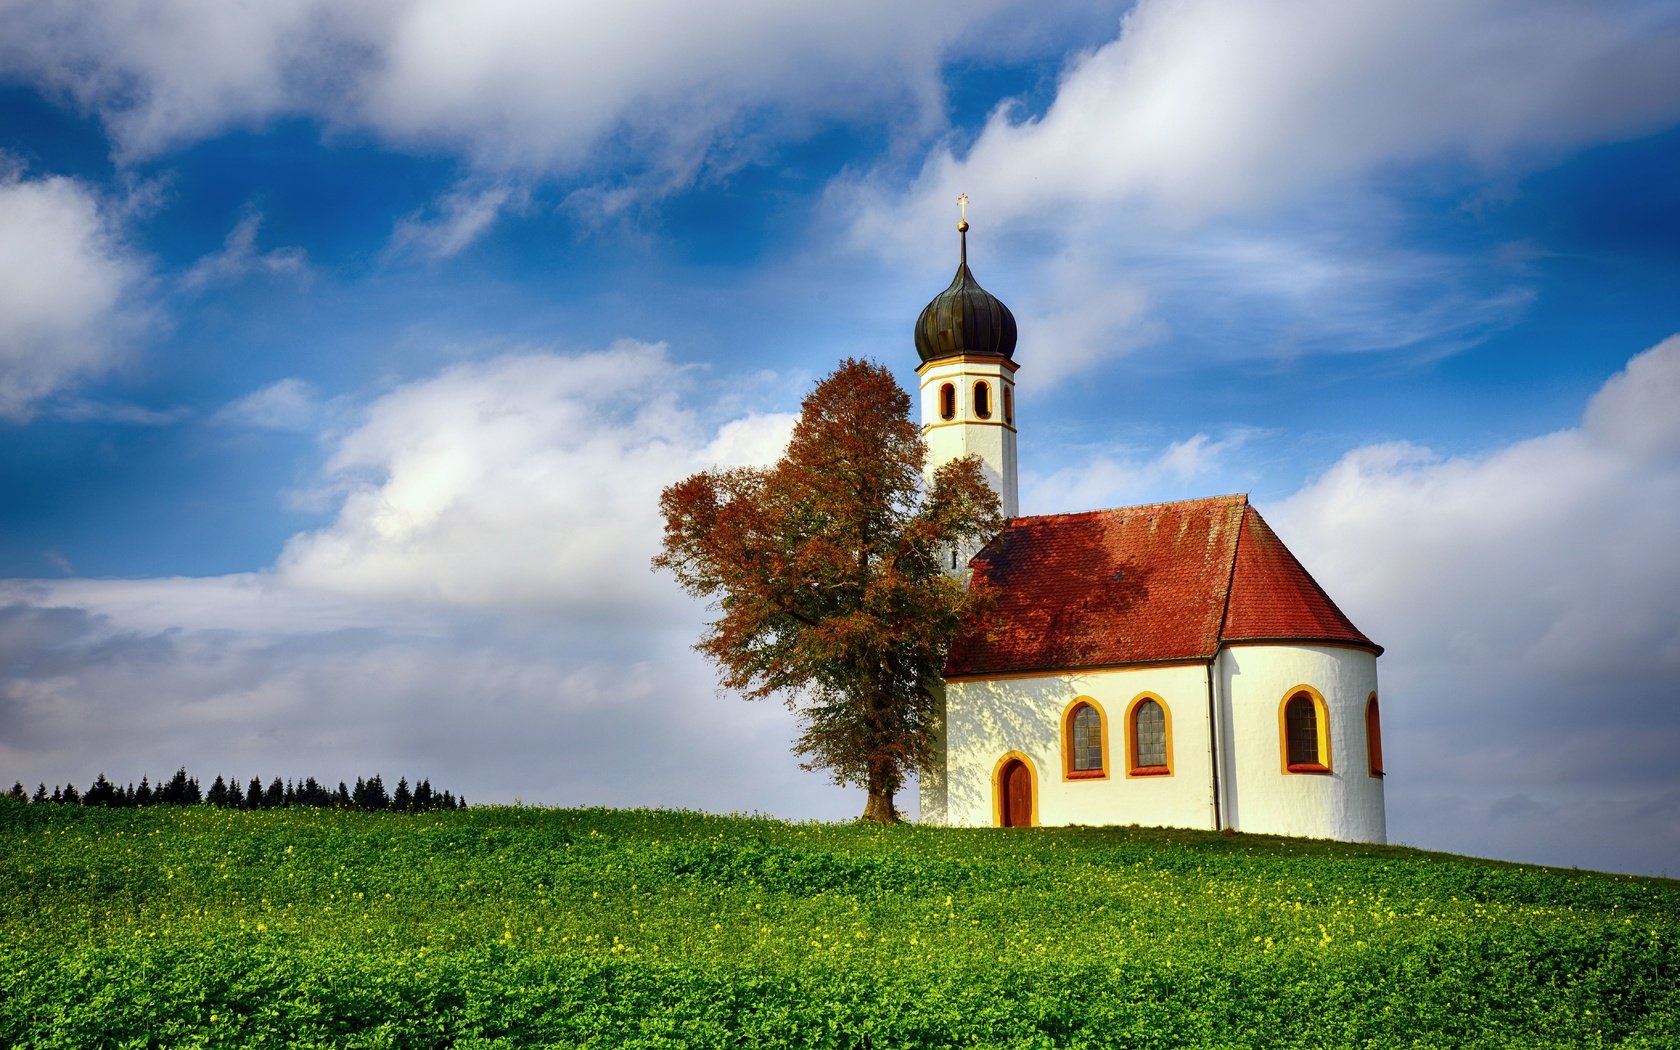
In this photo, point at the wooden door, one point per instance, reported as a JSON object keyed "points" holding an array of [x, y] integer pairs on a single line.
{"points": [[1016, 785]]}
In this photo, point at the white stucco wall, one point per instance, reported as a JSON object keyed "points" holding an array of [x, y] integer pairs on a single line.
{"points": [[1252, 683], [986, 720], [993, 440]]}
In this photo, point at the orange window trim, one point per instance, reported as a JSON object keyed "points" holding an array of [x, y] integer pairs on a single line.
{"points": [[1373, 737], [1068, 772], [997, 787], [947, 401], [982, 399], [1133, 769], [1321, 714]]}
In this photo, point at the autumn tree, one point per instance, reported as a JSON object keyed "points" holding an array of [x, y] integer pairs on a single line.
{"points": [[825, 571]]}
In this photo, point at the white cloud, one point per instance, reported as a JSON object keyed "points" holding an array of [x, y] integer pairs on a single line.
{"points": [[522, 85], [287, 404], [511, 84], [68, 291], [459, 218], [527, 480], [163, 72], [1117, 479], [1635, 412], [239, 256], [1202, 108]]}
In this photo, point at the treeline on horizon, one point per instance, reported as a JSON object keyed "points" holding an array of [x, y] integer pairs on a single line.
{"points": [[183, 790]]}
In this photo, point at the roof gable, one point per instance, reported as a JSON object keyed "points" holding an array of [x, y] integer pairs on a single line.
{"points": [[1167, 582]]}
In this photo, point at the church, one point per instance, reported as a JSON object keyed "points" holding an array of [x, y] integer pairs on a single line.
{"points": [[1171, 664]]}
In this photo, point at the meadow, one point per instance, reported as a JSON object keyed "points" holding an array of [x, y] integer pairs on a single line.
{"points": [[518, 927]]}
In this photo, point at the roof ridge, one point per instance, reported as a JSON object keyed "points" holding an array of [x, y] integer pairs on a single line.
{"points": [[1230, 499], [1231, 574]]}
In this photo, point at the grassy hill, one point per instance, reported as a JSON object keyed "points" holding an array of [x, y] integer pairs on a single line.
{"points": [[529, 927]]}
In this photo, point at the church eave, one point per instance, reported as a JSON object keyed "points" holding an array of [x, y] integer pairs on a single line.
{"points": [[1003, 673], [1302, 640]]}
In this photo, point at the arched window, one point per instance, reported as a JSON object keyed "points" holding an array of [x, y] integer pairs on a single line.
{"points": [[1306, 732], [947, 401], [1149, 738], [1009, 405], [1373, 737], [1084, 741], [982, 399]]}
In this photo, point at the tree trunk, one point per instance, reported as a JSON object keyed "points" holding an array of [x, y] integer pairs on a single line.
{"points": [[879, 808]]}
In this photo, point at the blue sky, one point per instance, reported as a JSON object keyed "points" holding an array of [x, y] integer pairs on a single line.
{"points": [[346, 349]]}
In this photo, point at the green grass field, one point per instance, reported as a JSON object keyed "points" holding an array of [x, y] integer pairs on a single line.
{"points": [[533, 927]]}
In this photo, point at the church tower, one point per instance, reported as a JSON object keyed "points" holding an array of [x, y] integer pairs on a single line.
{"points": [[966, 339]]}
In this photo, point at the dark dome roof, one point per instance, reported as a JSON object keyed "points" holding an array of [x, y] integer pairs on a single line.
{"points": [[965, 319]]}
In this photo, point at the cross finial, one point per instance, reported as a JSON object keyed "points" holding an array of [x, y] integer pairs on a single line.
{"points": [[962, 208]]}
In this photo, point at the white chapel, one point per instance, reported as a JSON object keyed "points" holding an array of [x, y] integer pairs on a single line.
{"points": [[1170, 664]]}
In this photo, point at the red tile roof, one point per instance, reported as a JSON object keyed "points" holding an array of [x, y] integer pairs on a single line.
{"points": [[1168, 582]]}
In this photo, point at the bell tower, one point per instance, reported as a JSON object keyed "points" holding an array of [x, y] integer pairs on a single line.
{"points": [[966, 339]]}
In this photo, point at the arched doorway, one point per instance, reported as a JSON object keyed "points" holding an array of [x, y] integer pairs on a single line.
{"points": [[1015, 794]]}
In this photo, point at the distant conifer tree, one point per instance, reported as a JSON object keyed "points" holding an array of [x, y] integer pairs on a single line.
{"points": [[289, 798], [128, 795], [342, 799], [101, 793], [71, 797], [58, 794], [18, 793], [218, 795], [423, 799], [40, 793], [401, 800], [377, 798], [174, 793], [275, 796], [254, 794], [143, 795]]}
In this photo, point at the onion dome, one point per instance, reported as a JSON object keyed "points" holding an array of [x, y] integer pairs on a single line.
{"points": [[965, 319]]}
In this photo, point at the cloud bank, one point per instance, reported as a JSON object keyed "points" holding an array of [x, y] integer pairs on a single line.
{"points": [[1530, 602]]}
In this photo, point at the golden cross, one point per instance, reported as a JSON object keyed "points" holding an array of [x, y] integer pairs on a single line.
{"points": [[962, 206]]}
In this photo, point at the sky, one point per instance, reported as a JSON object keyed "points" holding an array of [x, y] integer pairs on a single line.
{"points": [[345, 349]]}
